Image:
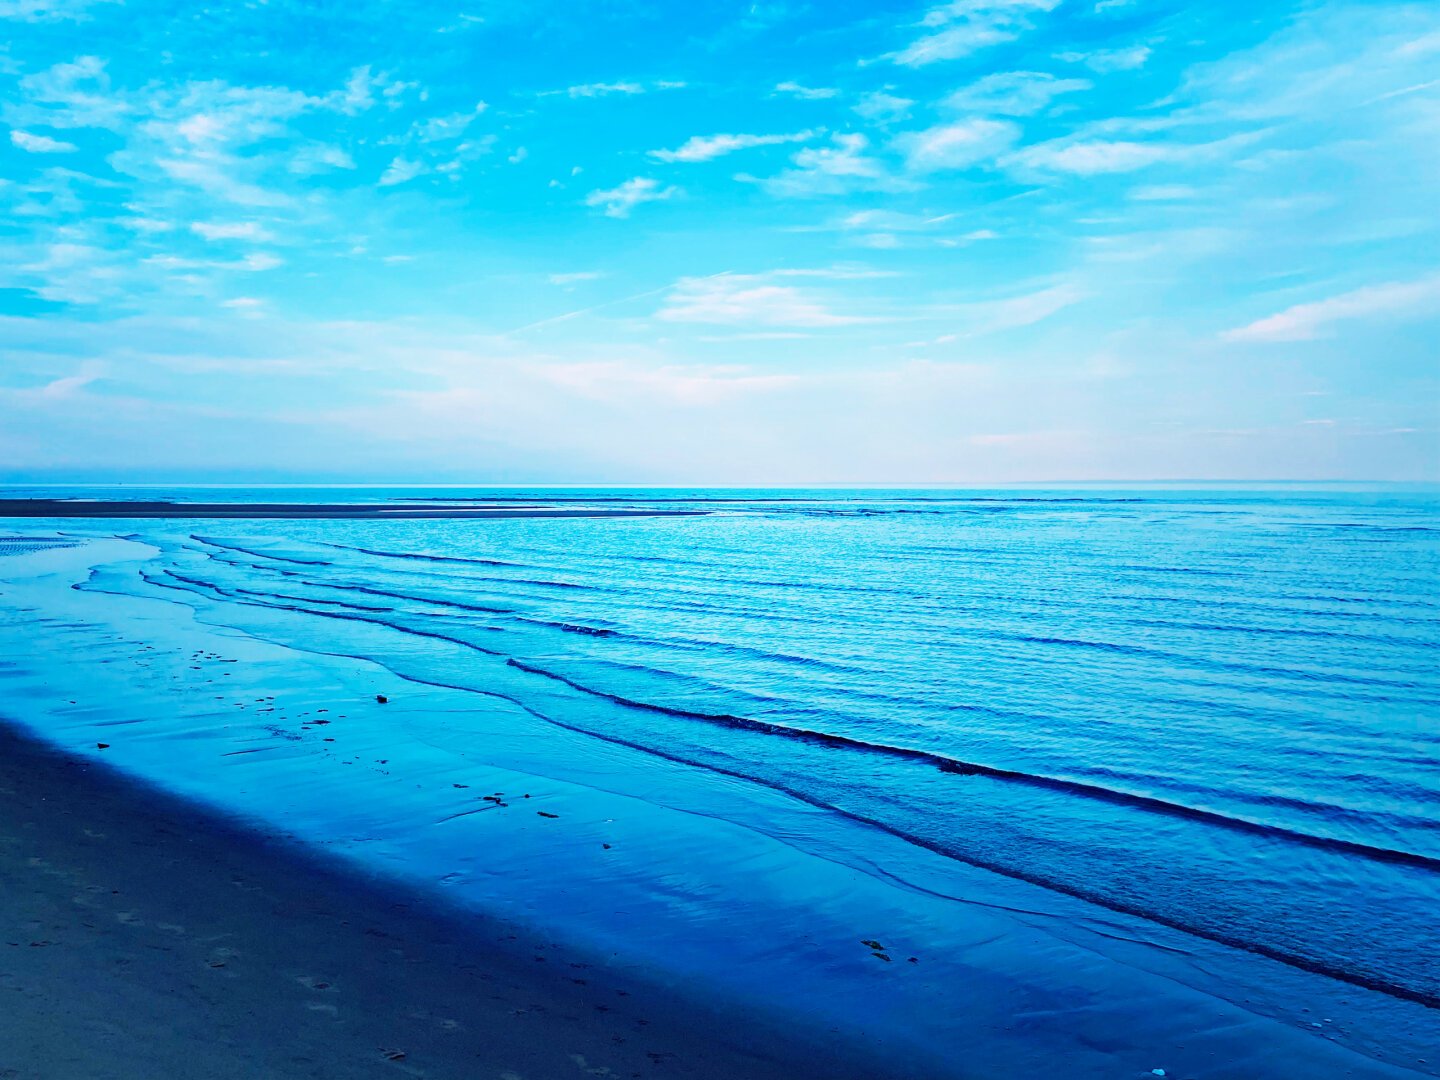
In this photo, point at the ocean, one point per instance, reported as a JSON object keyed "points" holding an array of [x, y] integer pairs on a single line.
{"points": [[1191, 731]]}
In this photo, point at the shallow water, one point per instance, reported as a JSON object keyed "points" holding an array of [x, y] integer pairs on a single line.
{"points": [[1213, 714]]}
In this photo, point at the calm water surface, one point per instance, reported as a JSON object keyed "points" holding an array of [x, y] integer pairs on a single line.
{"points": [[1217, 711]]}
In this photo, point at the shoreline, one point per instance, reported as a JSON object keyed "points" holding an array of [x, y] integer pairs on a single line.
{"points": [[132, 912]]}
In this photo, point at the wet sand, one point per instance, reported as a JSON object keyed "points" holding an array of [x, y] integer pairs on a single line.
{"points": [[144, 936], [121, 508]]}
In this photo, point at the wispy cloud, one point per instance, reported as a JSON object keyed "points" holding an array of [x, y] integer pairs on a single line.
{"points": [[1094, 157], [1012, 93], [747, 300], [400, 170], [956, 146], [617, 202], [590, 90], [1011, 313], [708, 147], [883, 107], [73, 94], [1164, 193], [838, 169], [233, 230], [806, 93], [318, 158], [969, 25], [608, 89], [671, 384], [40, 144], [1108, 60], [1306, 322], [449, 126]]}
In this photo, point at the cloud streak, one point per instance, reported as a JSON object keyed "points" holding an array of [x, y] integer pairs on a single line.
{"points": [[618, 202], [1307, 322], [709, 147], [40, 144], [969, 26]]}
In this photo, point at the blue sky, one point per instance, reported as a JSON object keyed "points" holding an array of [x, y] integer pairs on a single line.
{"points": [[777, 242]]}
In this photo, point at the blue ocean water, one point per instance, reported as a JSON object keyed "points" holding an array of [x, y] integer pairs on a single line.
{"points": [[1216, 711]]}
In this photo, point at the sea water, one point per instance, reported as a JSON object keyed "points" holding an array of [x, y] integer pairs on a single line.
{"points": [[1211, 712]]}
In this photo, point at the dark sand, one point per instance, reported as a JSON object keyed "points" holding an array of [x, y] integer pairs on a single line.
{"points": [[120, 508], [142, 937]]}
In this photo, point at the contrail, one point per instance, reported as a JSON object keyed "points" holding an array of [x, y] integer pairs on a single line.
{"points": [[608, 303]]}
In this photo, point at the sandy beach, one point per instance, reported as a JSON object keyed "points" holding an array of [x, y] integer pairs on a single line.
{"points": [[146, 937]]}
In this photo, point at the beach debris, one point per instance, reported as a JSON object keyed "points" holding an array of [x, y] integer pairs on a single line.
{"points": [[605, 846], [882, 956], [381, 698], [102, 746], [393, 1055], [542, 813], [872, 945], [912, 959]]}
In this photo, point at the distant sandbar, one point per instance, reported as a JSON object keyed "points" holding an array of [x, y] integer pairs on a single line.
{"points": [[120, 508]]}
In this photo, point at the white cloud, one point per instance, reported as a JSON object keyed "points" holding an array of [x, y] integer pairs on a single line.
{"points": [[1164, 193], [1306, 322], [675, 384], [573, 277], [253, 263], [238, 230], [318, 158], [402, 170], [1012, 93], [708, 147], [956, 146], [883, 107], [599, 89], [970, 25], [359, 92], [749, 299], [835, 170], [1108, 60], [72, 95], [450, 126], [806, 93], [991, 316], [145, 224], [619, 201], [1094, 157], [40, 144], [518, 156]]}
